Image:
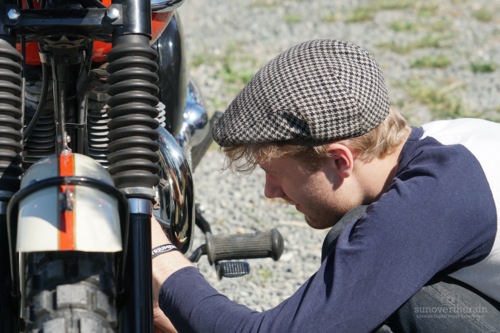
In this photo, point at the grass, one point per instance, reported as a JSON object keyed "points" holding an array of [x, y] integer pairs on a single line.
{"points": [[394, 47], [436, 26], [440, 25], [483, 15], [430, 40], [393, 4], [292, 18], [236, 69], [361, 14], [254, 217], [428, 9], [233, 67], [264, 273], [217, 103], [399, 26], [202, 57], [329, 18], [293, 212], [483, 67], [267, 4], [439, 99], [439, 61]]}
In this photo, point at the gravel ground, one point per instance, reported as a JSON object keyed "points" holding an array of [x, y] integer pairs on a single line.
{"points": [[440, 59]]}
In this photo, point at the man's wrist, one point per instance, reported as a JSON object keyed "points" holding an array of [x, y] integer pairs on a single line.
{"points": [[165, 248], [166, 265]]}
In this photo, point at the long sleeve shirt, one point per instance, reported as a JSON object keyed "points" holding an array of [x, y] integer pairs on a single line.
{"points": [[439, 215]]}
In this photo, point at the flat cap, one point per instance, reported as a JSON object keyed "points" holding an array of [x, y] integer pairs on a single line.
{"points": [[315, 92]]}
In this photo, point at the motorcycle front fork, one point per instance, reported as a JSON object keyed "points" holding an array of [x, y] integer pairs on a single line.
{"points": [[133, 153], [133, 159]]}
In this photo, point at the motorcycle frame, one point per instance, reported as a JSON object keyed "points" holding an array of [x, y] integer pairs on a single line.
{"points": [[135, 275]]}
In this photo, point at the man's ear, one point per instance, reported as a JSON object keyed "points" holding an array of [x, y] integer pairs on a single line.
{"points": [[341, 159]]}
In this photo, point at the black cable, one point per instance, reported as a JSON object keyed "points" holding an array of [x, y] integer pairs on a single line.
{"points": [[71, 97], [23, 76], [29, 4], [41, 103], [42, 4]]}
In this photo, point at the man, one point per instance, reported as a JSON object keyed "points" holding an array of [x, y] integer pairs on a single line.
{"points": [[317, 119]]}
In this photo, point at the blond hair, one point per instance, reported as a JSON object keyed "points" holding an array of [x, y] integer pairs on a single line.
{"points": [[377, 143]]}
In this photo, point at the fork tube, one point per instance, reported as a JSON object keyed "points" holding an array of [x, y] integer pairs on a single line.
{"points": [[134, 20], [137, 312], [137, 315]]}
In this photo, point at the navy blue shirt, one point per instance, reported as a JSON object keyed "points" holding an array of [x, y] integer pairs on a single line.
{"points": [[439, 215]]}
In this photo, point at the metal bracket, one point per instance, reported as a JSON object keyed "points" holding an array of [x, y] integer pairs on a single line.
{"points": [[66, 200], [91, 20]]}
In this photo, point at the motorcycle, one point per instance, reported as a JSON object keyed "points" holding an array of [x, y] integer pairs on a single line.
{"points": [[100, 129]]}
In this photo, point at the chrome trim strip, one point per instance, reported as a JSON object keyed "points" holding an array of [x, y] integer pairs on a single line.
{"points": [[162, 6]]}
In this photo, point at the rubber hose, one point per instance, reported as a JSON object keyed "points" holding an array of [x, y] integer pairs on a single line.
{"points": [[132, 111], [41, 104], [10, 117]]}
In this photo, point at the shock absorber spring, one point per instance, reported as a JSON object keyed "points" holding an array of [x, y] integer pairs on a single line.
{"points": [[10, 117], [132, 111], [97, 124]]}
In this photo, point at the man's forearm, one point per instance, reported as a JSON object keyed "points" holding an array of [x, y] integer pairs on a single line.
{"points": [[165, 264]]}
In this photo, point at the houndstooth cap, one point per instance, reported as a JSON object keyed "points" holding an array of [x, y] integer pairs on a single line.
{"points": [[316, 92]]}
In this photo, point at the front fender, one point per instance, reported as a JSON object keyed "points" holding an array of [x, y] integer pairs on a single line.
{"points": [[93, 225]]}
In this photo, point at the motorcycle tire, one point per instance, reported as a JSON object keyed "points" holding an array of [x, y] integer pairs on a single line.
{"points": [[85, 306]]}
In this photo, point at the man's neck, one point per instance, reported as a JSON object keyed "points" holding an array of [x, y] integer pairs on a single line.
{"points": [[377, 175]]}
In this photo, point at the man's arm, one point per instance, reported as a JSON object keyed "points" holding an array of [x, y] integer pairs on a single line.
{"points": [[421, 226], [166, 264], [163, 266]]}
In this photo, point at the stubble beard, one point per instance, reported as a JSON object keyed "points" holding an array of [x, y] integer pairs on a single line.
{"points": [[323, 218]]}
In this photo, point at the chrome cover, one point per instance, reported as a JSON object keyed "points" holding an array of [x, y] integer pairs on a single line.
{"points": [[176, 190], [161, 6], [196, 125]]}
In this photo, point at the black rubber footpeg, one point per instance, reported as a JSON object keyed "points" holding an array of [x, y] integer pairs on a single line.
{"points": [[232, 269]]}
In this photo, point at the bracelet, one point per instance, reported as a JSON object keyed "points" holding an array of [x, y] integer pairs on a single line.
{"points": [[163, 249]]}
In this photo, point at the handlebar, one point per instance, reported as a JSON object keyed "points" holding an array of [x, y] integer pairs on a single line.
{"points": [[268, 244]]}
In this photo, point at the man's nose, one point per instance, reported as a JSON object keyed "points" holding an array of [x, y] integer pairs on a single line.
{"points": [[273, 188]]}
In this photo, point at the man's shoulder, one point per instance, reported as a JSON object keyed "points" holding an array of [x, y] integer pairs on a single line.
{"points": [[462, 131], [465, 144]]}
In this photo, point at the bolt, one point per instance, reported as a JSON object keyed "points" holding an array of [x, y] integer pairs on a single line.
{"points": [[13, 14], [68, 138], [113, 14]]}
